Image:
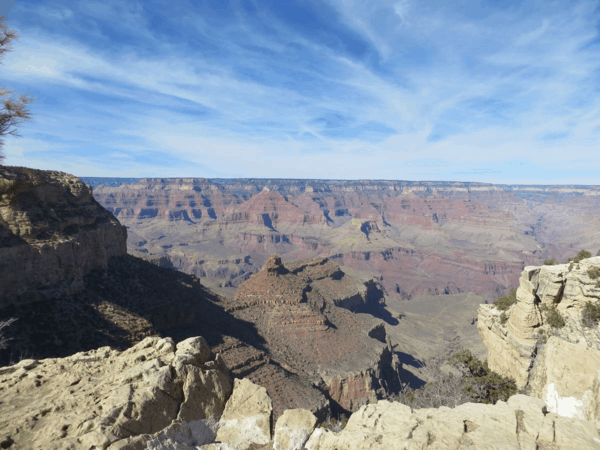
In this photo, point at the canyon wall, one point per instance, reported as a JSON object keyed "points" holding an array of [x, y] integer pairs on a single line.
{"points": [[419, 237], [52, 233]]}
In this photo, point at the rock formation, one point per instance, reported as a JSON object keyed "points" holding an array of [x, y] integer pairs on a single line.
{"points": [[109, 399], [559, 364], [520, 423], [52, 233], [295, 308], [159, 395], [422, 238]]}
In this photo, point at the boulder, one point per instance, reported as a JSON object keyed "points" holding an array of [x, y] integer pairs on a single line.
{"points": [[246, 419], [293, 429]]}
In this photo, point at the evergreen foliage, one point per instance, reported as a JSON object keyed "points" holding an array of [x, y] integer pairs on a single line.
{"points": [[583, 254], [506, 301], [553, 317], [591, 314]]}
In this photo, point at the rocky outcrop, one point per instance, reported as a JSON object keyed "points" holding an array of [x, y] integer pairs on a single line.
{"points": [[565, 376], [109, 399], [293, 429], [521, 423], [52, 233], [160, 396], [247, 416], [295, 308], [559, 364]]}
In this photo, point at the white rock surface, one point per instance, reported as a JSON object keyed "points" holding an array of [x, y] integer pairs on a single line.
{"points": [[293, 429], [247, 416]]}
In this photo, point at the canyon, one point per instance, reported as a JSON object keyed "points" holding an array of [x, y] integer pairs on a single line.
{"points": [[416, 238], [110, 350]]}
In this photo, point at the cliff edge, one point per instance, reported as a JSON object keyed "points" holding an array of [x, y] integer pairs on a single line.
{"points": [[546, 341], [52, 233]]}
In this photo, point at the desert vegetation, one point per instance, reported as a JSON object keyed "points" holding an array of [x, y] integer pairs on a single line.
{"points": [[506, 301], [3, 339], [583, 254], [464, 378], [550, 262], [552, 316], [594, 273], [591, 314], [334, 424]]}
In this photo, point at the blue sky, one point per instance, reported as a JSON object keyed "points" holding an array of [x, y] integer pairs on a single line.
{"points": [[489, 90]]}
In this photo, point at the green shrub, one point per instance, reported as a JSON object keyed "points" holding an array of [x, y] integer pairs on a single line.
{"points": [[482, 383], [550, 262], [583, 254], [593, 272], [591, 313], [553, 317], [506, 301], [503, 318]]}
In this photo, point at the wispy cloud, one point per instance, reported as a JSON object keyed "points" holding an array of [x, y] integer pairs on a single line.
{"points": [[337, 89]]}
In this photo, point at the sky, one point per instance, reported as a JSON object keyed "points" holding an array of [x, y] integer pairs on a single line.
{"points": [[470, 90]]}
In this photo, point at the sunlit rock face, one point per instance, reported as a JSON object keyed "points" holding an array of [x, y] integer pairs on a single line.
{"points": [[559, 364]]}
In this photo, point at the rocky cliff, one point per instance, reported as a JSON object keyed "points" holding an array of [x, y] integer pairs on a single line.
{"points": [[544, 341], [52, 233], [159, 395]]}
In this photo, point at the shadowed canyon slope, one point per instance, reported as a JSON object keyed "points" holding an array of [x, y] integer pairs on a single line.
{"points": [[419, 237]]}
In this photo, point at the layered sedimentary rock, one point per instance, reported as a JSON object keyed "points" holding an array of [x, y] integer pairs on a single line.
{"points": [[295, 308], [109, 399], [559, 364], [52, 233], [421, 237]]}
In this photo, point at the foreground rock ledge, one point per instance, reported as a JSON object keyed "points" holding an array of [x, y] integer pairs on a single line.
{"points": [[518, 424], [108, 399], [158, 396]]}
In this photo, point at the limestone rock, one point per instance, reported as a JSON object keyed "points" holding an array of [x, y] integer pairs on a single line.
{"points": [[106, 398], [512, 346], [52, 233], [509, 355], [246, 419], [564, 377], [518, 423], [564, 371], [293, 429]]}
